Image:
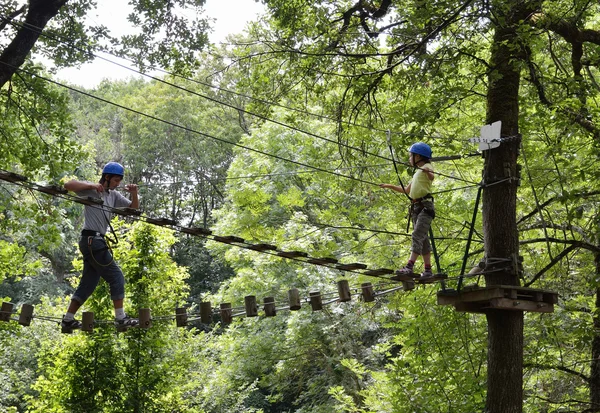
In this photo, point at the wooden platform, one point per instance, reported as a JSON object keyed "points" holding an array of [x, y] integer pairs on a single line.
{"points": [[499, 297]]}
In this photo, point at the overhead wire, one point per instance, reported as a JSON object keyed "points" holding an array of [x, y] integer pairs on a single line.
{"points": [[337, 142], [187, 129], [333, 265]]}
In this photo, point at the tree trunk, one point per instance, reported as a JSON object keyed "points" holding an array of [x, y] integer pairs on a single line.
{"points": [[595, 365], [505, 328], [38, 15]]}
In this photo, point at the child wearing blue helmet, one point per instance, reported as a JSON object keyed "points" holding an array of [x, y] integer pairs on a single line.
{"points": [[422, 209], [97, 258]]}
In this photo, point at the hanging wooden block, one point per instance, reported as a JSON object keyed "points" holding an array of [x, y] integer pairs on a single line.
{"points": [[52, 189], [87, 321], [316, 302], [228, 239], [196, 231], [89, 200], [379, 271], [269, 306], [5, 313], [262, 247], [161, 221], [26, 315], [367, 292], [145, 318], [351, 267], [205, 313], [181, 317], [292, 254], [408, 285], [250, 304], [12, 177], [322, 261], [225, 311], [344, 291], [431, 280], [126, 211], [294, 297]]}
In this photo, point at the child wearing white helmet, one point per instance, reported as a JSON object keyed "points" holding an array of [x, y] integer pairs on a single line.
{"points": [[97, 258], [422, 209]]}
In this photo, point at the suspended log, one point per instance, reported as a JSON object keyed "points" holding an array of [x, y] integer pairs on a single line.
{"points": [[26, 315], [52, 189], [322, 261], [89, 200], [316, 302], [161, 221], [126, 211], [408, 285], [367, 292], [87, 321], [431, 280], [205, 313], [262, 247], [294, 297], [196, 231], [351, 267], [6, 311], [269, 306], [12, 177], [181, 317], [251, 307], [228, 239], [225, 311], [292, 254], [145, 320], [344, 291], [379, 271]]}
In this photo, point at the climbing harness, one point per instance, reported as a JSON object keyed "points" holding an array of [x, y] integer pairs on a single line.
{"points": [[90, 240]]}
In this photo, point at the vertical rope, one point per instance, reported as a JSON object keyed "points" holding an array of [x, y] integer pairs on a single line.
{"points": [[471, 230]]}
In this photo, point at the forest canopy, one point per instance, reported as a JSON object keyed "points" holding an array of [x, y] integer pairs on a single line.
{"points": [[281, 138]]}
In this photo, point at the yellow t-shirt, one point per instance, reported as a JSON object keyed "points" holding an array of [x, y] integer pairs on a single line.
{"points": [[420, 184]]}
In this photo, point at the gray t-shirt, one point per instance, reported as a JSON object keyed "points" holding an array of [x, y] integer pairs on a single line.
{"points": [[96, 218]]}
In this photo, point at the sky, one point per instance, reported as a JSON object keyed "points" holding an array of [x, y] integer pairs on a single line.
{"points": [[231, 17]]}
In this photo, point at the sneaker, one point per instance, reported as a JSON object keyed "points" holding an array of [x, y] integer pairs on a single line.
{"points": [[403, 274], [126, 322], [67, 327], [426, 274]]}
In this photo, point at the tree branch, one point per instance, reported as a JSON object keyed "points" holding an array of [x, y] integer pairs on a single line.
{"points": [[552, 263], [5, 20], [559, 368], [537, 209], [14, 55]]}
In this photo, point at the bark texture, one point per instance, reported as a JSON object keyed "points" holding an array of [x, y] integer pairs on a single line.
{"points": [[505, 328], [40, 12]]}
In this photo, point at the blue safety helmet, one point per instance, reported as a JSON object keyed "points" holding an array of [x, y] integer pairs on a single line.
{"points": [[113, 168], [422, 149]]}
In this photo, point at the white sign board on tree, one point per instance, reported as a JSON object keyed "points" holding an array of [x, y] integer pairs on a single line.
{"points": [[489, 137]]}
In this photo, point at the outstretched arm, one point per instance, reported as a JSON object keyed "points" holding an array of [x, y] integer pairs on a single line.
{"points": [[77, 186], [396, 188]]}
